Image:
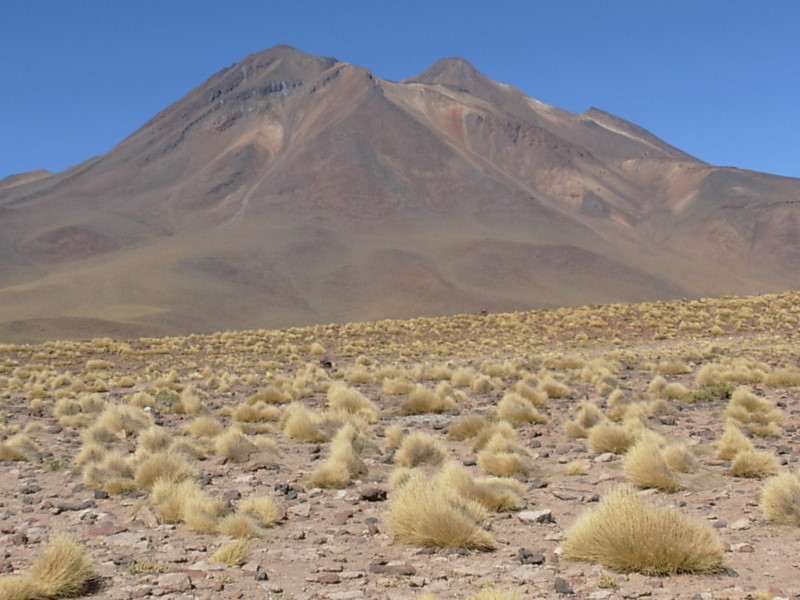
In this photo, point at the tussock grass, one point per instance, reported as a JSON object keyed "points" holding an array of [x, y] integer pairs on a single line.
{"points": [[779, 499], [645, 467], [204, 427], [517, 409], [240, 526], [300, 423], [19, 447], [234, 445], [783, 377], [488, 432], [575, 467], [494, 493], [625, 534], [423, 400], [162, 465], [680, 459], [423, 514], [606, 436], [262, 509], [62, 570], [754, 413], [124, 418], [259, 412], [154, 439], [587, 416], [344, 463], [503, 456], [493, 593], [394, 435], [732, 442], [233, 553], [419, 448], [466, 427], [342, 397], [754, 464]]}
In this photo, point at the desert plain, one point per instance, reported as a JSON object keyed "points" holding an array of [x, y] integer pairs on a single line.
{"points": [[96, 437]]}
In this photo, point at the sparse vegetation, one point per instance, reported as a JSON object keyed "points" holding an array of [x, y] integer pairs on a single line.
{"points": [[625, 534]]}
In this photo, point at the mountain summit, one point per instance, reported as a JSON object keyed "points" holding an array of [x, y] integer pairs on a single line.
{"points": [[291, 189]]}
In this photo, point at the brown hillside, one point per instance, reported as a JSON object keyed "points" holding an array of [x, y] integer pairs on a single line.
{"points": [[290, 189]]}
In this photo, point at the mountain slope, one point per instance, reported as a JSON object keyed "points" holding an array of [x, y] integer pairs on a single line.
{"points": [[290, 189]]}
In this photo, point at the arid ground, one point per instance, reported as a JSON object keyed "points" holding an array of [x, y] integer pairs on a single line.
{"points": [[668, 367]]}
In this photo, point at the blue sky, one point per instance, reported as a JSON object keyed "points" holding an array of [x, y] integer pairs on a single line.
{"points": [[719, 79]]}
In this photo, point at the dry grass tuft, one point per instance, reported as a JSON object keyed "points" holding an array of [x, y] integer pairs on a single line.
{"points": [[587, 416], [645, 467], [680, 458], [754, 464], [610, 437], [300, 423], [342, 397], [576, 467], [732, 442], [419, 448], [234, 445], [162, 465], [466, 427], [503, 456], [495, 493], [262, 509], [780, 499], [625, 534], [422, 400], [344, 463], [62, 570], [233, 553], [240, 526], [518, 409], [753, 413], [423, 514]]}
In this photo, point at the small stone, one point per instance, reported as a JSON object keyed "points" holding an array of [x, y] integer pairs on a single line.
{"points": [[373, 494], [393, 569], [742, 548], [605, 457], [106, 530], [100, 495], [740, 524], [175, 582], [261, 576], [328, 578], [536, 516], [372, 529], [562, 586], [526, 557]]}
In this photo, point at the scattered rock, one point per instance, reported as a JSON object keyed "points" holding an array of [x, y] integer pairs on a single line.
{"points": [[740, 524], [536, 516], [328, 578], [526, 557], [562, 586], [373, 494], [174, 582]]}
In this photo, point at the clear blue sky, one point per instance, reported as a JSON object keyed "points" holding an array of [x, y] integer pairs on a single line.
{"points": [[720, 79]]}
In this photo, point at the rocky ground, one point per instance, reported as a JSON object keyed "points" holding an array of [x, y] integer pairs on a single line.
{"points": [[336, 543]]}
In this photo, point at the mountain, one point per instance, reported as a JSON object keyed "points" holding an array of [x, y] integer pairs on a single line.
{"points": [[291, 189]]}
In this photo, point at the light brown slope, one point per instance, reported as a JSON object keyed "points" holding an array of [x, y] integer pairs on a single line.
{"points": [[291, 189]]}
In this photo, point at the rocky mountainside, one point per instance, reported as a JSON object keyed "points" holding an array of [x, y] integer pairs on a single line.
{"points": [[290, 189]]}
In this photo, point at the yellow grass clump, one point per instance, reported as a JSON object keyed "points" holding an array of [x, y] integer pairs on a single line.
{"points": [[234, 445], [503, 456], [518, 409], [645, 467], [162, 465], [587, 416], [262, 509], [62, 570], [300, 423], [625, 534], [419, 448], [233, 553], [753, 413], [342, 397], [575, 467], [754, 464], [423, 514], [466, 427], [423, 400], [679, 458], [732, 442], [780, 499], [606, 436], [344, 463], [494, 493]]}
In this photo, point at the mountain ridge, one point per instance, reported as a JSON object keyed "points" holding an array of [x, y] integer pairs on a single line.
{"points": [[294, 189]]}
